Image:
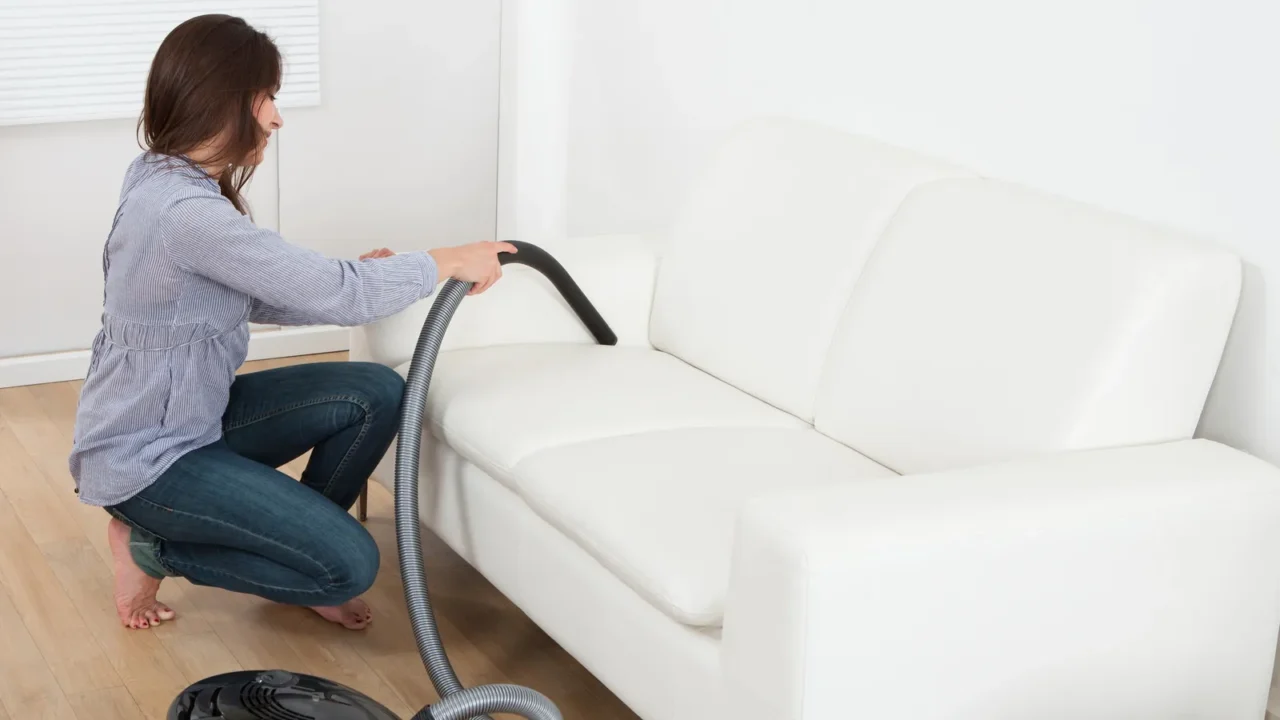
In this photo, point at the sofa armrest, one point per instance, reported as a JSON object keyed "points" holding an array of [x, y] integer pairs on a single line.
{"points": [[616, 273], [1124, 583]]}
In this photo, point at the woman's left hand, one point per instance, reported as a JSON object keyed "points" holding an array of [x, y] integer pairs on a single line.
{"points": [[374, 254]]}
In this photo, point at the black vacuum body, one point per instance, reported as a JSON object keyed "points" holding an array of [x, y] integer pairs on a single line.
{"points": [[274, 695], [285, 695]]}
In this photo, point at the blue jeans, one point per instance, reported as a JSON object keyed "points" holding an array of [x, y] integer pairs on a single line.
{"points": [[223, 516]]}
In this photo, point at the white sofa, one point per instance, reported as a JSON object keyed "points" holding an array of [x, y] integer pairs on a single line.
{"points": [[881, 439]]}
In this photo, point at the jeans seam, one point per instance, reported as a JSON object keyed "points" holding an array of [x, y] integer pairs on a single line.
{"points": [[247, 581], [327, 574], [296, 406], [367, 420], [342, 464]]}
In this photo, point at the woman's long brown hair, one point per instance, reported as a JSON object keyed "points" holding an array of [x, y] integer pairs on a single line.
{"points": [[201, 91]]}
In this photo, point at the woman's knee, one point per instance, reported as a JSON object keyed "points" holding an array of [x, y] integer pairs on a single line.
{"points": [[353, 562], [381, 388], [380, 384]]}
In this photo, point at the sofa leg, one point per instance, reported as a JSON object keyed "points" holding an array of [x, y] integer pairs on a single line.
{"points": [[362, 507]]}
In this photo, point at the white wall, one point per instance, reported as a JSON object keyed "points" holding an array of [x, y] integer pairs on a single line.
{"points": [[1165, 109], [537, 57], [401, 153]]}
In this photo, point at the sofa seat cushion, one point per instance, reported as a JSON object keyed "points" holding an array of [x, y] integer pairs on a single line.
{"points": [[497, 405], [659, 508]]}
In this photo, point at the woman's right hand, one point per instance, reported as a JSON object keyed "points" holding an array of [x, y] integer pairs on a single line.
{"points": [[475, 263]]}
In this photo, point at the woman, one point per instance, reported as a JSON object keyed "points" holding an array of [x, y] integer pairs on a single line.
{"points": [[177, 448]]}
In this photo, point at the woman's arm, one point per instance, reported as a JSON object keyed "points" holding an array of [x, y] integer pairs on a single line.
{"points": [[205, 235], [264, 314], [260, 312]]}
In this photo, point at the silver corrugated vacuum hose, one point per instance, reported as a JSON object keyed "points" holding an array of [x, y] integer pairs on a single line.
{"points": [[487, 698], [279, 693]]}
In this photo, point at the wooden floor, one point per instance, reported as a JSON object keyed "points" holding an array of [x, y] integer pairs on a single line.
{"points": [[63, 654]]}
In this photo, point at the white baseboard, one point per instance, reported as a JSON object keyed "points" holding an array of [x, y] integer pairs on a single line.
{"points": [[291, 342], [39, 369], [269, 343]]}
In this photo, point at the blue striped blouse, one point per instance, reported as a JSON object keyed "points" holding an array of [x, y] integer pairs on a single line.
{"points": [[185, 273]]}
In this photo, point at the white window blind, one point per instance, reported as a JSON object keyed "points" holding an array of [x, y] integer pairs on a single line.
{"points": [[67, 60]]}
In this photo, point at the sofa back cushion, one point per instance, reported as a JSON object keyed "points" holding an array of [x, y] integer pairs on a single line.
{"points": [[993, 322], [773, 237]]}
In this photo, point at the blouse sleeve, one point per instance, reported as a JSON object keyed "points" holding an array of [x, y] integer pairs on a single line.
{"points": [[205, 235], [262, 313]]}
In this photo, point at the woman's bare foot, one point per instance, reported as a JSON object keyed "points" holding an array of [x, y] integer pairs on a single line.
{"points": [[352, 614], [135, 591]]}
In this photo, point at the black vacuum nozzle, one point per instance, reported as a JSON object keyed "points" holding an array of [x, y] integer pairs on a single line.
{"points": [[274, 695], [542, 261]]}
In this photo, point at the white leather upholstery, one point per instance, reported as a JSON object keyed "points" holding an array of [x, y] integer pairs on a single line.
{"points": [[621, 638], [662, 520], [994, 322], [1111, 585], [759, 268], [616, 272], [501, 404], [717, 531]]}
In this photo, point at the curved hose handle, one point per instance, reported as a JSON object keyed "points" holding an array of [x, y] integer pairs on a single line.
{"points": [[540, 260]]}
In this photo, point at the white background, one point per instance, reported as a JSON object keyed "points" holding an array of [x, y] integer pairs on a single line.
{"points": [[1165, 109], [402, 152]]}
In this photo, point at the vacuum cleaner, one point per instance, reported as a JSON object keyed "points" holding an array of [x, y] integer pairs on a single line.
{"points": [[285, 695]]}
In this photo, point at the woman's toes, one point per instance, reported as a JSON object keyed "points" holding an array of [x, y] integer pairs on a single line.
{"points": [[353, 614]]}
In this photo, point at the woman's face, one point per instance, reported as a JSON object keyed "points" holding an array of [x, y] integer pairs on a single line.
{"points": [[269, 119]]}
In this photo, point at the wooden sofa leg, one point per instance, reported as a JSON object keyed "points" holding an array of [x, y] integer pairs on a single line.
{"points": [[362, 508]]}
